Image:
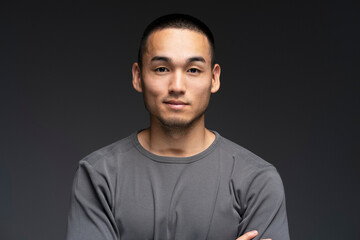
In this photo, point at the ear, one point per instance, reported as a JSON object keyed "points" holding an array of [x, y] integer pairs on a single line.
{"points": [[136, 77], [215, 80]]}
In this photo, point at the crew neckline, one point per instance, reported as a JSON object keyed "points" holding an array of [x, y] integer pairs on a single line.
{"points": [[168, 159]]}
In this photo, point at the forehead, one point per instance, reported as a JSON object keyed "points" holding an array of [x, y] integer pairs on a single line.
{"points": [[173, 42]]}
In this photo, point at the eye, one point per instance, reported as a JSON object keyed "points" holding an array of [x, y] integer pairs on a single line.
{"points": [[161, 69], [194, 70]]}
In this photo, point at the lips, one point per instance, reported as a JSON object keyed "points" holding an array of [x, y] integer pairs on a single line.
{"points": [[176, 104]]}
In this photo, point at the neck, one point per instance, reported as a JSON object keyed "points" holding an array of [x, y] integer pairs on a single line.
{"points": [[175, 142]]}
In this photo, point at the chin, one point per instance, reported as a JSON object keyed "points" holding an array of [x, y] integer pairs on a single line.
{"points": [[176, 123]]}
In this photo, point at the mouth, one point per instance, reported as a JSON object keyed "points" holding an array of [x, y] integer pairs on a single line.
{"points": [[176, 104]]}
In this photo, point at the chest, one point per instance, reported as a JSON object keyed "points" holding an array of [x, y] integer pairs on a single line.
{"points": [[191, 201]]}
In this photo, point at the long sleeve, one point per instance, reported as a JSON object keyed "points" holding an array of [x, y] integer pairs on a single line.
{"points": [[90, 216], [263, 204]]}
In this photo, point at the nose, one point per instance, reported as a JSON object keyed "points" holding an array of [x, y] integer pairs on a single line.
{"points": [[177, 84]]}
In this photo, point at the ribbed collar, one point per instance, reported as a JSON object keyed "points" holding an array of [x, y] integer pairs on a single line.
{"points": [[166, 159]]}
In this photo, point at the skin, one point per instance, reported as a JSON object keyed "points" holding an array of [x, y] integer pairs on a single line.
{"points": [[177, 67]]}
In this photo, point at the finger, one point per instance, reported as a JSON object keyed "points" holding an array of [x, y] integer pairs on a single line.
{"points": [[248, 236]]}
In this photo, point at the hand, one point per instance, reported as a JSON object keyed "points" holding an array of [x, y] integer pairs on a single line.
{"points": [[250, 235]]}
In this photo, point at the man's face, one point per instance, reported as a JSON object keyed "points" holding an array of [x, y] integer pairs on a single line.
{"points": [[176, 78]]}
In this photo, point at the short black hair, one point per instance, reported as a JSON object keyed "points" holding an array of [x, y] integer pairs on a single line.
{"points": [[176, 20]]}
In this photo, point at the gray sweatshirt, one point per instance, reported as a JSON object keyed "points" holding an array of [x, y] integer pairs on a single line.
{"points": [[123, 191]]}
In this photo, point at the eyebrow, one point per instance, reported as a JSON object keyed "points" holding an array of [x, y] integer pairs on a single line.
{"points": [[166, 59], [160, 58], [196, 59]]}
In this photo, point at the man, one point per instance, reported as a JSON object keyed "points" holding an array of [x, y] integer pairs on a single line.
{"points": [[176, 179]]}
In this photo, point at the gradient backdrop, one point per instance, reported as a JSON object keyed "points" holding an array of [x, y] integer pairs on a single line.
{"points": [[289, 93]]}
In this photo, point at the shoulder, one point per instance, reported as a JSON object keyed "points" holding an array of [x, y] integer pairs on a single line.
{"points": [[242, 156], [252, 177], [109, 154], [247, 167]]}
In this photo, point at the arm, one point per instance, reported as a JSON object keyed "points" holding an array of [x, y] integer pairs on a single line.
{"points": [[264, 205], [90, 216]]}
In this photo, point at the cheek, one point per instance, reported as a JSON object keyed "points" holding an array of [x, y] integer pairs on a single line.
{"points": [[201, 89], [153, 90]]}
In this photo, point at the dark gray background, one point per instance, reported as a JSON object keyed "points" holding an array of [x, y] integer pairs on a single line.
{"points": [[289, 93]]}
